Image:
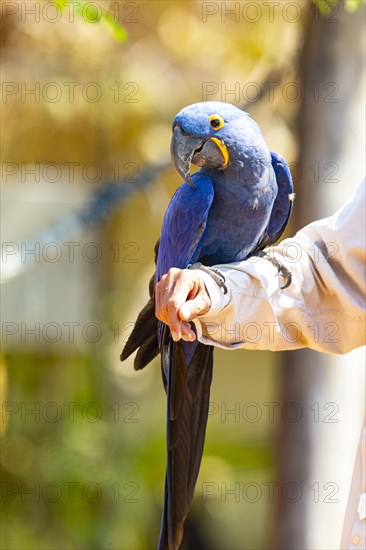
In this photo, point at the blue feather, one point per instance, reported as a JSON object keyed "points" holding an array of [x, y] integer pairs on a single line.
{"points": [[240, 201], [232, 213]]}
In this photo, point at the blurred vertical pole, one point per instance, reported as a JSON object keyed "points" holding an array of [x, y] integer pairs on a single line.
{"points": [[317, 451]]}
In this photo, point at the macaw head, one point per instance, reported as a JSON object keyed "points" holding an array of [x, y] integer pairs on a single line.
{"points": [[211, 135]]}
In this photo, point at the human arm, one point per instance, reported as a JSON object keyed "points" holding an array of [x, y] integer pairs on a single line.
{"points": [[323, 308]]}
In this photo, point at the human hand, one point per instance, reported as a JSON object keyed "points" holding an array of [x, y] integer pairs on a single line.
{"points": [[180, 296]]}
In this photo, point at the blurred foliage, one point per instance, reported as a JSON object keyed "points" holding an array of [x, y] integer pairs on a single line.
{"points": [[92, 13], [119, 115], [326, 6], [353, 5]]}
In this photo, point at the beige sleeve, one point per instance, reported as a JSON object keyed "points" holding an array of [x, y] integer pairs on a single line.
{"points": [[324, 306]]}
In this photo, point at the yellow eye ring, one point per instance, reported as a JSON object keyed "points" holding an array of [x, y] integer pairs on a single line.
{"points": [[216, 121]]}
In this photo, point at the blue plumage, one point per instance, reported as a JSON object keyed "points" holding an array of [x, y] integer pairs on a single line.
{"points": [[243, 194], [238, 203], [184, 223], [232, 213]]}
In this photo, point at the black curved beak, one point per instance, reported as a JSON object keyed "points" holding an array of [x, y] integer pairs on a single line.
{"points": [[182, 149]]}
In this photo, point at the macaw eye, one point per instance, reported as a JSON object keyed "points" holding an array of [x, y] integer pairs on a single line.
{"points": [[216, 121]]}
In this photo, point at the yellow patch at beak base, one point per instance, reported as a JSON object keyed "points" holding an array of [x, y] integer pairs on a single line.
{"points": [[221, 145]]}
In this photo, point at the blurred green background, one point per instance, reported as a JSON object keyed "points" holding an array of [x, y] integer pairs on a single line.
{"points": [[85, 105]]}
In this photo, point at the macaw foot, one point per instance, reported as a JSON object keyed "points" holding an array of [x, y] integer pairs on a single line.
{"points": [[213, 272], [283, 270]]}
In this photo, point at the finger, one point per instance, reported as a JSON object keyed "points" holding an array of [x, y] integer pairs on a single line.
{"points": [[173, 320], [187, 333], [184, 284], [159, 294], [163, 293]]}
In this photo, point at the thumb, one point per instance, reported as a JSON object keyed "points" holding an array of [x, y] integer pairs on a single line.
{"points": [[190, 309]]}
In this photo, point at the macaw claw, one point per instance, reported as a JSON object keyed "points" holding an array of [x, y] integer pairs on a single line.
{"points": [[282, 269]]}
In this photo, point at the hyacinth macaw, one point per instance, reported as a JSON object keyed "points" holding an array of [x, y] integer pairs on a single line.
{"points": [[238, 203]]}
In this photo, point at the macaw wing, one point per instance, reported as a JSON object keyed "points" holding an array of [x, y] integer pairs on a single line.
{"points": [[184, 223], [283, 204], [187, 367], [144, 336]]}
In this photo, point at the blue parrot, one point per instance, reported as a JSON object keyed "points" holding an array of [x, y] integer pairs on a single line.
{"points": [[238, 203]]}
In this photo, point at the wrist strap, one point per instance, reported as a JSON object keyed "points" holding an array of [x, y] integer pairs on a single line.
{"points": [[213, 272]]}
